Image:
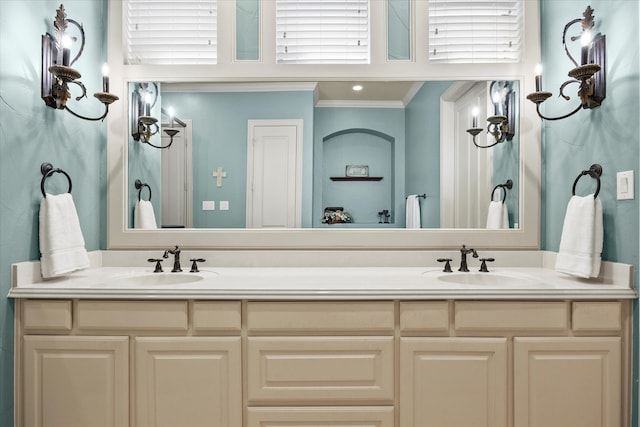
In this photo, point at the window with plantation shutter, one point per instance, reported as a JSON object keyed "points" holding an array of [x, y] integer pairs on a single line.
{"points": [[475, 31], [322, 31], [170, 32]]}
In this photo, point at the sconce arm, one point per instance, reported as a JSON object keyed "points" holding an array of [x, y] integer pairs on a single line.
{"points": [[578, 108], [106, 111], [564, 38], [81, 29]]}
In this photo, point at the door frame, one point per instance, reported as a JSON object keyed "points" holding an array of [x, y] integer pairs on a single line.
{"points": [[188, 168], [251, 125]]}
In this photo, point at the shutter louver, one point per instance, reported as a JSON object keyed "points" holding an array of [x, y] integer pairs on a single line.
{"points": [[475, 31], [322, 31], [170, 32]]}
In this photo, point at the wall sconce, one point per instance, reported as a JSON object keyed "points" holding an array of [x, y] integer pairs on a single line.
{"points": [[502, 124], [143, 124], [57, 73], [590, 75]]}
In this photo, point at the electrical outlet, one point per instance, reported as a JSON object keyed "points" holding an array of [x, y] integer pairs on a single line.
{"points": [[208, 205], [224, 205]]}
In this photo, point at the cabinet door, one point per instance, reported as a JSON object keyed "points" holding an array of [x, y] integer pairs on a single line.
{"points": [[567, 382], [453, 382], [188, 381], [76, 381]]}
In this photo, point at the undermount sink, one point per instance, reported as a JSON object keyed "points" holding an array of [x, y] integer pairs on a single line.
{"points": [[157, 279], [482, 279]]}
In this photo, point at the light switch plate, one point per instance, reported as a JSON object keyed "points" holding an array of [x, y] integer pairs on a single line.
{"points": [[625, 185], [208, 205], [224, 205]]}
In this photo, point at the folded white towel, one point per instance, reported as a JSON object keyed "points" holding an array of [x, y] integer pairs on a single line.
{"points": [[582, 237], [413, 212], [497, 215], [62, 248], [144, 217]]}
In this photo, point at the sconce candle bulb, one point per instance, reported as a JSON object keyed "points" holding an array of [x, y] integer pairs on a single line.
{"points": [[474, 120], [105, 77], [538, 77]]}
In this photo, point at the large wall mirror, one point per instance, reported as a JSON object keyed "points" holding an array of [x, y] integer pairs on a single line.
{"points": [[337, 166], [323, 154]]}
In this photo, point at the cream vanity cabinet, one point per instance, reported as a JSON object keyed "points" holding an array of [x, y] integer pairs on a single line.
{"points": [[555, 363], [139, 363], [507, 363]]}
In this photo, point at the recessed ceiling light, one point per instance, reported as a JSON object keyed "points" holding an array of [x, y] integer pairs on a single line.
{"points": [[357, 88]]}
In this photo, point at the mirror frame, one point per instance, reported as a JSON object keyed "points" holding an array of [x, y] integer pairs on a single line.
{"points": [[527, 236]]}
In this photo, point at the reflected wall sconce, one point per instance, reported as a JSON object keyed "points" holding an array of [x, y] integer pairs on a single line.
{"points": [[589, 75], [143, 124], [502, 124], [57, 73]]}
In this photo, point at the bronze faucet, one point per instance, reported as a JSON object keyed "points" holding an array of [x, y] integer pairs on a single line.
{"points": [[463, 257], [176, 260]]}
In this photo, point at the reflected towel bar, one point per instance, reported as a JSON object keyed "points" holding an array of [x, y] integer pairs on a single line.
{"points": [[139, 185], [505, 186]]}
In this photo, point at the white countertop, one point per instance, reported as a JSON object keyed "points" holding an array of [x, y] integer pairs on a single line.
{"points": [[525, 275]]}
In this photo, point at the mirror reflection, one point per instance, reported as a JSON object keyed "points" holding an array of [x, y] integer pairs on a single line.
{"points": [[323, 155]]}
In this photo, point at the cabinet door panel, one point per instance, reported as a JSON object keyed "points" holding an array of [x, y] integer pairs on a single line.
{"points": [[188, 381], [76, 381], [320, 370], [567, 382], [453, 382]]}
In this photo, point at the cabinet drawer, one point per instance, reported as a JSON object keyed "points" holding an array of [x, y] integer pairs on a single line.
{"points": [[320, 370], [597, 316], [132, 315], [478, 316], [216, 316], [368, 416], [355, 318], [422, 317], [46, 316]]}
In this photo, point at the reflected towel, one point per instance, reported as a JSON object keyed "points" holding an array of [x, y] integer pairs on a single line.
{"points": [[497, 215], [143, 216], [582, 237], [413, 212], [62, 248]]}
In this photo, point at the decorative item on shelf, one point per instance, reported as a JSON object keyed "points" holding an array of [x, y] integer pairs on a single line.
{"points": [[589, 75], [57, 73], [384, 216], [502, 124], [143, 124], [336, 215], [356, 170]]}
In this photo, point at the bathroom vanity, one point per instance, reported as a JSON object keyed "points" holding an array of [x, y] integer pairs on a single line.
{"points": [[240, 345]]}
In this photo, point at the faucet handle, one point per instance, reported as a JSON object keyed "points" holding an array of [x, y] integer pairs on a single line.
{"points": [[447, 265], [483, 265], [158, 265], [194, 265]]}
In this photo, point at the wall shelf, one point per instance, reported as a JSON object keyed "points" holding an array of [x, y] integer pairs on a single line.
{"points": [[356, 178]]}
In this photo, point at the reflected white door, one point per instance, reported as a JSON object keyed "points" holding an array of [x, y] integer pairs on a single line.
{"points": [[466, 171], [274, 173], [176, 194]]}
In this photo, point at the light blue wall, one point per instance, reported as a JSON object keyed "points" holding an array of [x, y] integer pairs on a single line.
{"points": [[422, 166], [220, 139], [608, 135], [247, 30], [399, 30], [389, 121], [31, 133]]}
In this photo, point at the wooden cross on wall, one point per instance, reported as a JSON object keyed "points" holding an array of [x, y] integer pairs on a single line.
{"points": [[219, 174]]}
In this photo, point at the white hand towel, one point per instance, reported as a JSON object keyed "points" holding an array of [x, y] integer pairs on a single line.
{"points": [[413, 212], [62, 248], [497, 215], [144, 217], [582, 238]]}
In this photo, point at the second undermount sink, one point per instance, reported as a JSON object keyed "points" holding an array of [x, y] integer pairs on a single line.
{"points": [[482, 279], [159, 279]]}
